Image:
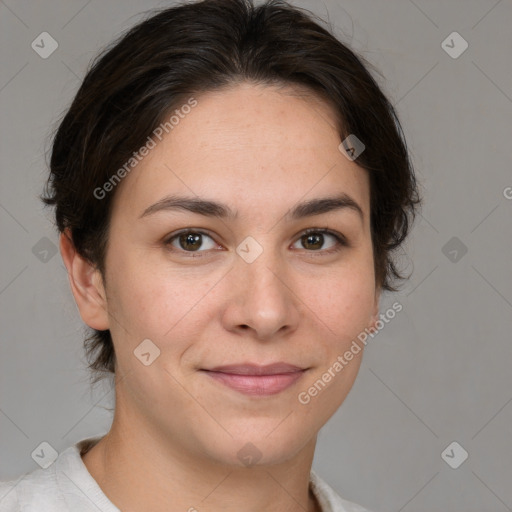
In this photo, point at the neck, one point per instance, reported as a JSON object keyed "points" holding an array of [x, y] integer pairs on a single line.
{"points": [[142, 472]]}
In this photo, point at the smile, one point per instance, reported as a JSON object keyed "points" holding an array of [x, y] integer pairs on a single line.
{"points": [[257, 380]]}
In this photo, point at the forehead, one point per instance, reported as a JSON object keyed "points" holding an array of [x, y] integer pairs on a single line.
{"points": [[247, 146]]}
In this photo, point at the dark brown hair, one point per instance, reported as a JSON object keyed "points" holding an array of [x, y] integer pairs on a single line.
{"points": [[185, 50]]}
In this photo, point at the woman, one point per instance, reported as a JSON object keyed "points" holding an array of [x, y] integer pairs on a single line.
{"points": [[229, 184]]}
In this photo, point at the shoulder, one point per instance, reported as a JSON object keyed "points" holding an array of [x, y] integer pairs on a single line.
{"points": [[9, 497], [63, 486], [41, 484], [329, 499]]}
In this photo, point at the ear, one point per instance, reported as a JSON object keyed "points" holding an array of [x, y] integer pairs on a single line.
{"points": [[86, 285]]}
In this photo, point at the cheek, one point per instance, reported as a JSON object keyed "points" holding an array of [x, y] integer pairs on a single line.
{"points": [[341, 310], [151, 300], [342, 302]]}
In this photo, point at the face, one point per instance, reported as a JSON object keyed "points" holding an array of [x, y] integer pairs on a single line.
{"points": [[268, 275]]}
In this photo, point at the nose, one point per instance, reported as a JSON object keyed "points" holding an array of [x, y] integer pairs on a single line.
{"points": [[261, 302]]}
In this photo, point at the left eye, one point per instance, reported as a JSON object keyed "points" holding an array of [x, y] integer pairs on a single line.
{"points": [[315, 240], [191, 241]]}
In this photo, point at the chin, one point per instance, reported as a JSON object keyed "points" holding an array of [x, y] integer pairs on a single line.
{"points": [[258, 445]]}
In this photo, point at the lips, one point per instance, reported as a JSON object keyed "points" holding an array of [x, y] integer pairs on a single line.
{"points": [[253, 369], [257, 380]]}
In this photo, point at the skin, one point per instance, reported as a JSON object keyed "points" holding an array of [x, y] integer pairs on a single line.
{"points": [[259, 150]]}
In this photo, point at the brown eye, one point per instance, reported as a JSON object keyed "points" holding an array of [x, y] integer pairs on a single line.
{"points": [[191, 241], [314, 241], [321, 240]]}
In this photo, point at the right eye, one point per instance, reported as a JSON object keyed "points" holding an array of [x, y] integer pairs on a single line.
{"points": [[190, 241]]}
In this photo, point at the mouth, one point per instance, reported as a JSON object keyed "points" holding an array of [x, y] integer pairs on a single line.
{"points": [[256, 380]]}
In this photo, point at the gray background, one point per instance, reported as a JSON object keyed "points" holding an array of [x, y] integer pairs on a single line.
{"points": [[437, 373]]}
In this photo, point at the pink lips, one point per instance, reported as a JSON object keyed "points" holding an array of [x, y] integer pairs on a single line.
{"points": [[257, 380]]}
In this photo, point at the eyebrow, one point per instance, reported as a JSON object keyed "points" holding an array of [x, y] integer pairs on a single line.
{"points": [[214, 209]]}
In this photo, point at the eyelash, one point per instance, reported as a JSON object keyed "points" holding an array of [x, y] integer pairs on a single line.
{"points": [[340, 239]]}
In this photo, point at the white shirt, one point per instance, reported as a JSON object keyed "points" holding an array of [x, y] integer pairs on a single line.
{"points": [[67, 486]]}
